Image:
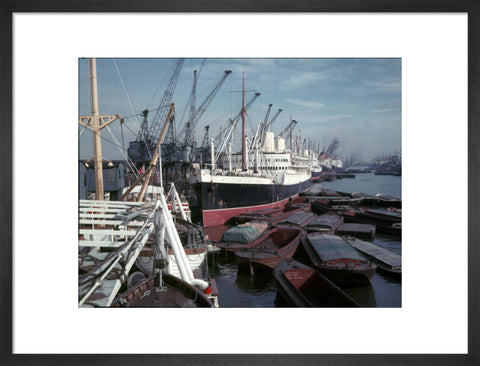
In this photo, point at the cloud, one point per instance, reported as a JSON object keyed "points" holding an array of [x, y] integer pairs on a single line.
{"points": [[307, 104], [386, 110], [385, 85], [335, 117]]}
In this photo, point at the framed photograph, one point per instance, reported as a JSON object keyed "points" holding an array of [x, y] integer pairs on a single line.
{"points": [[432, 52]]}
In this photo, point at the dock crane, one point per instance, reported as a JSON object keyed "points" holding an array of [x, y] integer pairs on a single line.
{"points": [[266, 127], [206, 139], [268, 113], [139, 151], [261, 135], [269, 125], [189, 128], [164, 105], [193, 96], [287, 129], [169, 146], [203, 152], [147, 174]]}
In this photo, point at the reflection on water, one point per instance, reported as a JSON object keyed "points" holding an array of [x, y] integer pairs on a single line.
{"points": [[241, 291], [364, 295]]}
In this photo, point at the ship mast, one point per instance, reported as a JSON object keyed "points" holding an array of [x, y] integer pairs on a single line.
{"points": [[243, 123], [95, 122], [291, 149]]}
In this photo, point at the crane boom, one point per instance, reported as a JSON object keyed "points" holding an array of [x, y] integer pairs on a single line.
{"points": [[165, 102], [140, 150], [189, 128], [223, 133], [269, 125], [263, 127], [193, 95], [287, 129], [268, 113]]}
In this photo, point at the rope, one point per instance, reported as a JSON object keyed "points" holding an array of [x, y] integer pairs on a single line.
{"points": [[125, 88]]}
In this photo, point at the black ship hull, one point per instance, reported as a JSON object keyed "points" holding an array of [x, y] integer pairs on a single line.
{"points": [[221, 201]]}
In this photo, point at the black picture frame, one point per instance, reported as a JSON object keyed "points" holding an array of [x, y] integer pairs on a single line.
{"points": [[471, 7]]}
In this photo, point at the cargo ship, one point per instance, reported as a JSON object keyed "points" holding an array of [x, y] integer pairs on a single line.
{"points": [[224, 194], [264, 175]]}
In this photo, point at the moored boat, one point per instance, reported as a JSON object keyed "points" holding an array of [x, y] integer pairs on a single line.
{"points": [[323, 206], [382, 225], [363, 231], [170, 292], [368, 199], [385, 216], [387, 262], [388, 201], [278, 244], [302, 286], [273, 215], [338, 260], [238, 237], [303, 202], [328, 192], [327, 223], [300, 219]]}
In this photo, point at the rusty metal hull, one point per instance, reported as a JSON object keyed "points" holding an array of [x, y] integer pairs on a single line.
{"points": [[302, 286]]}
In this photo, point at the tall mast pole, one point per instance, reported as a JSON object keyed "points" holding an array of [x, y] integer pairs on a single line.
{"points": [[97, 145], [243, 114], [291, 148], [243, 123], [95, 122]]}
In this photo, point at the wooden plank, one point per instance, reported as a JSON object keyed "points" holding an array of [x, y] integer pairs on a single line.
{"points": [[96, 216], [101, 243], [85, 203], [109, 222], [97, 232]]}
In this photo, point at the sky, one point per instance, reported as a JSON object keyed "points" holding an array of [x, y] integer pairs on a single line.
{"points": [[354, 100]]}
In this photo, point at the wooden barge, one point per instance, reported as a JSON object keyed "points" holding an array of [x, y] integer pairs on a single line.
{"points": [[362, 231], [335, 258], [238, 237], [327, 223], [302, 286], [299, 220], [280, 243], [387, 262], [271, 215]]}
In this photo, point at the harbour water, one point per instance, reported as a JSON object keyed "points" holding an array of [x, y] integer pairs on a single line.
{"points": [[243, 291]]}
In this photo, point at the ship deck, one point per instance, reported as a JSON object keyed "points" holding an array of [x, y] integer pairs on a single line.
{"points": [[111, 236]]}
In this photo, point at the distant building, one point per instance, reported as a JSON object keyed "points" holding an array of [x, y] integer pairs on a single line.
{"points": [[113, 178]]}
